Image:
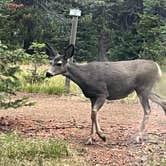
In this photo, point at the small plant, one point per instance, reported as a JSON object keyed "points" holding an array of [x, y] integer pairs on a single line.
{"points": [[37, 59], [54, 85], [9, 83]]}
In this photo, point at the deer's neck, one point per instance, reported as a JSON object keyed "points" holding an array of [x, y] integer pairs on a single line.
{"points": [[76, 73]]}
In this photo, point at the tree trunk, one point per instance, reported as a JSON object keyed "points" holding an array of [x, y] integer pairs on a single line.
{"points": [[28, 39], [103, 46]]}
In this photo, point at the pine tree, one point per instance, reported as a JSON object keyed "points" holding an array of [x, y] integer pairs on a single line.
{"points": [[9, 82]]}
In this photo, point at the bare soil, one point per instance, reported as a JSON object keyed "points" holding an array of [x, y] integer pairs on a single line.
{"points": [[68, 118]]}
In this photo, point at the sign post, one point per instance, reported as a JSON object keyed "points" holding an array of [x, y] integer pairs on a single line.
{"points": [[75, 13]]}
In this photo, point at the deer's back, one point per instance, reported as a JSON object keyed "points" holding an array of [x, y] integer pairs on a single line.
{"points": [[117, 79]]}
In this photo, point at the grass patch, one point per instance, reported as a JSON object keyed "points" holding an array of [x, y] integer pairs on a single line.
{"points": [[33, 152], [161, 162], [156, 155], [15, 147], [54, 85]]}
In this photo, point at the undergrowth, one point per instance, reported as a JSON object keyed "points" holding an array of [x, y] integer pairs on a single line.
{"points": [[54, 85], [18, 151], [15, 149]]}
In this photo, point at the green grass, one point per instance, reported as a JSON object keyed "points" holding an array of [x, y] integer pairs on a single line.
{"points": [[161, 162], [156, 155], [49, 86], [53, 85], [17, 151]]}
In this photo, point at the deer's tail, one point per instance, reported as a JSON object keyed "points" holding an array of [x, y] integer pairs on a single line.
{"points": [[159, 71]]}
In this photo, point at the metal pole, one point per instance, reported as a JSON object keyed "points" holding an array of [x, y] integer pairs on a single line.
{"points": [[72, 41]]}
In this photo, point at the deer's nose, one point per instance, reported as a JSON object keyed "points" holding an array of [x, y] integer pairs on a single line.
{"points": [[49, 75]]}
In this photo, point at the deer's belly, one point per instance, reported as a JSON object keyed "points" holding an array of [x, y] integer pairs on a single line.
{"points": [[119, 93]]}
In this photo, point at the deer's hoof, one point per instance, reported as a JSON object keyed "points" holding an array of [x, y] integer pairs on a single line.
{"points": [[103, 137], [139, 139], [90, 141]]}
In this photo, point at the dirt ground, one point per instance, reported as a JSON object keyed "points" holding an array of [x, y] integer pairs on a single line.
{"points": [[68, 118]]}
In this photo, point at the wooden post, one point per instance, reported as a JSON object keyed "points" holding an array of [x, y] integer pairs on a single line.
{"points": [[72, 41]]}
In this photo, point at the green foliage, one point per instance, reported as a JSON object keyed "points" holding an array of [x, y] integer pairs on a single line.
{"points": [[9, 83], [86, 46], [125, 46], [149, 32], [115, 30], [141, 38], [32, 77], [122, 30], [54, 85], [36, 59]]}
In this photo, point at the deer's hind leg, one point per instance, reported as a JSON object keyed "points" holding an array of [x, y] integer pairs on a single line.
{"points": [[146, 108]]}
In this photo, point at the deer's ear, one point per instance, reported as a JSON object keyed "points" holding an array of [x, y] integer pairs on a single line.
{"points": [[50, 51], [69, 51]]}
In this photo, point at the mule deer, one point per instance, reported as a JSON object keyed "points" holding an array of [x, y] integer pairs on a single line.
{"points": [[110, 80]]}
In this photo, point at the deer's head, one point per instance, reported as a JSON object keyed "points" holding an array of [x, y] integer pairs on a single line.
{"points": [[58, 61]]}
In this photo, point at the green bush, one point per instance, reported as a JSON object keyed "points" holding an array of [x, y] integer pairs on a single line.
{"points": [[9, 83]]}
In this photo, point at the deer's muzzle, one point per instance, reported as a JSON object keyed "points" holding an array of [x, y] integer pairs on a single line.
{"points": [[49, 75]]}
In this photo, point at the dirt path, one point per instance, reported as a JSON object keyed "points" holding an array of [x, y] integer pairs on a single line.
{"points": [[69, 118]]}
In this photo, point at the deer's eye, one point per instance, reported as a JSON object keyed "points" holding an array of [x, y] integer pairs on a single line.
{"points": [[59, 63]]}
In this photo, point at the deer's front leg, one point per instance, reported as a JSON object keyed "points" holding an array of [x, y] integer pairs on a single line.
{"points": [[98, 129], [97, 103], [91, 139]]}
